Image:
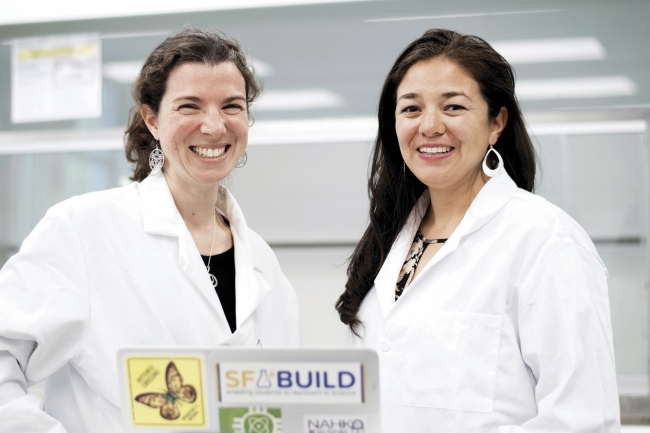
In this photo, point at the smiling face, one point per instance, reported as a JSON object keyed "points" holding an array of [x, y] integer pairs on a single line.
{"points": [[442, 125], [202, 122]]}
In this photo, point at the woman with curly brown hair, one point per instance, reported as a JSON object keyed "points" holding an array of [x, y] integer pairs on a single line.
{"points": [[487, 305], [167, 261]]}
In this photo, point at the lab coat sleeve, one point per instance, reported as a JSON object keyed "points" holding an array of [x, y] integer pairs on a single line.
{"points": [[566, 341], [293, 328], [44, 311]]}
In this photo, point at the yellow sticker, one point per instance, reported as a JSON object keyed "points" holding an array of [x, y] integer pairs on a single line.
{"points": [[166, 391]]}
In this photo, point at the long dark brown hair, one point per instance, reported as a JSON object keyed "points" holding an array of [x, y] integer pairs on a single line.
{"points": [[392, 187], [188, 46]]}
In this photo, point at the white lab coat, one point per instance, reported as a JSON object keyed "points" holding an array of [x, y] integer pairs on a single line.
{"points": [[113, 269], [506, 329]]}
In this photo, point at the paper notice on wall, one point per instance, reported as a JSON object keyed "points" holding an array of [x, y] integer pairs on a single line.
{"points": [[56, 78]]}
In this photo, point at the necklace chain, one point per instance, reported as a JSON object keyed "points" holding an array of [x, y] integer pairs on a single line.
{"points": [[214, 231]]}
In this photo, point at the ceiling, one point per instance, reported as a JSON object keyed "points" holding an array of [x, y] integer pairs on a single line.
{"points": [[344, 50]]}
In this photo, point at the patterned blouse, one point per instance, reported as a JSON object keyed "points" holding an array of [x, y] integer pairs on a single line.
{"points": [[420, 243]]}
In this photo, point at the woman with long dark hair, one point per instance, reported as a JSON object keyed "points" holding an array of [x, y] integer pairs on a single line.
{"points": [[487, 305]]}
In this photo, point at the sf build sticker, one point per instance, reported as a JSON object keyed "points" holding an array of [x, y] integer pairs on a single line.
{"points": [[290, 382], [166, 391]]}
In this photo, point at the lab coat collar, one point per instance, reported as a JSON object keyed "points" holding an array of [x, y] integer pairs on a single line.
{"points": [[160, 216], [159, 213], [489, 201], [250, 285]]}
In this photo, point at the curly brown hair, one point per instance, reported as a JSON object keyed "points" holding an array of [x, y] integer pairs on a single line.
{"points": [[188, 46]]}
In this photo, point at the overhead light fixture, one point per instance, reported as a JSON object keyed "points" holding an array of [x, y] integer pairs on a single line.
{"points": [[122, 72], [550, 50], [467, 15], [34, 11], [276, 100], [125, 35], [575, 88], [589, 128]]}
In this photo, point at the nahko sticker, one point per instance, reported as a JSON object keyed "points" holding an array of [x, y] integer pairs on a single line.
{"points": [[323, 423], [291, 382]]}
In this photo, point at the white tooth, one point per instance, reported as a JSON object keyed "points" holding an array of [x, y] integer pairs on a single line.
{"points": [[201, 151], [210, 153], [219, 152]]}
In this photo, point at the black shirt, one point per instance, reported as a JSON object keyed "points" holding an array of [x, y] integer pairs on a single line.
{"points": [[222, 266]]}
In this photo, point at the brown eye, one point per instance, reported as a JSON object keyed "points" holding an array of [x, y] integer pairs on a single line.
{"points": [[410, 109], [233, 108], [187, 108]]}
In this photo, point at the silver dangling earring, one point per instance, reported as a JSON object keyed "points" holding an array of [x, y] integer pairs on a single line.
{"points": [[242, 161], [156, 159], [487, 170]]}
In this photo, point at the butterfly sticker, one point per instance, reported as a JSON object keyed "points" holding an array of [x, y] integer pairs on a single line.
{"points": [[175, 391]]}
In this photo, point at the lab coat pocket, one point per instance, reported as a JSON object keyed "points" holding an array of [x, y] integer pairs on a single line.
{"points": [[453, 361]]}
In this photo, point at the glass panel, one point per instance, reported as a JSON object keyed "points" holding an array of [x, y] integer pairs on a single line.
{"points": [[319, 276], [628, 299], [606, 184], [600, 181], [314, 193], [31, 184]]}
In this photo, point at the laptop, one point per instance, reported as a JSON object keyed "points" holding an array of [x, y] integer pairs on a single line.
{"points": [[248, 390]]}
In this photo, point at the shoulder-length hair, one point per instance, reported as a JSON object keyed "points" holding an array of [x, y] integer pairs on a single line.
{"points": [[392, 187], [188, 46]]}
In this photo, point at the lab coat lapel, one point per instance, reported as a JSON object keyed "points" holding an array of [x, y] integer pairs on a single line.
{"points": [[192, 263], [387, 277], [160, 216], [250, 284], [488, 202], [159, 213]]}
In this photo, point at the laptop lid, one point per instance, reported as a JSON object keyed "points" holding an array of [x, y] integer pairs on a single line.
{"points": [[246, 390]]}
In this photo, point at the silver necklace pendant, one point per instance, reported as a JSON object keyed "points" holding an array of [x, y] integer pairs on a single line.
{"points": [[214, 230]]}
